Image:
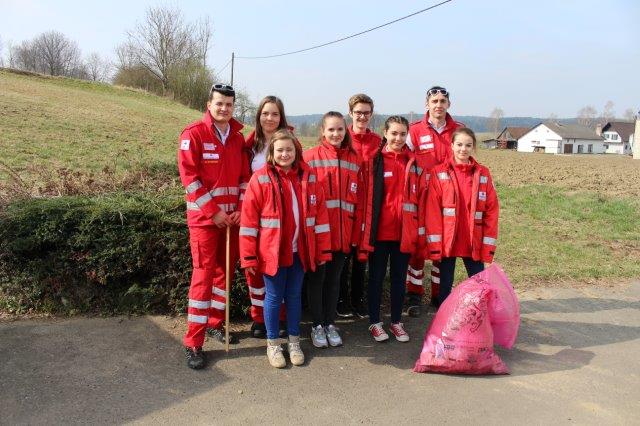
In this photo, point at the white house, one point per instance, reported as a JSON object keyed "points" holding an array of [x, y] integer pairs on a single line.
{"points": [[558, 138], [618, 137]]}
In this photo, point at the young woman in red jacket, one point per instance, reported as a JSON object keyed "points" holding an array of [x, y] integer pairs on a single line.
{"points": [[461, 212], [337, 166], [391, 223], [284, 231], [270, 117]]}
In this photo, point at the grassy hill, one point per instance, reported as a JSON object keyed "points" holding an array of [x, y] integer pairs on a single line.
{"points": [[81, 125]]}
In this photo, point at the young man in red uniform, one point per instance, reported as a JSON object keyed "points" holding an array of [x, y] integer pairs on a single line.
{"points": [[214, 172], [366, 144], [430, 139]]}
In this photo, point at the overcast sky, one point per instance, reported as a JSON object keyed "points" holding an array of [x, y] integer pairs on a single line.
{"points": [[530, 58]]}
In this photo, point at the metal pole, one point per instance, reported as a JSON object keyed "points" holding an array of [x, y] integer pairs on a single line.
{"points": [[233, 55]]}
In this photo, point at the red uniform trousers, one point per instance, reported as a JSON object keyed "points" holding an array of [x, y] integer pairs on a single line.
{"points": [[207, 292], [256, 295]]}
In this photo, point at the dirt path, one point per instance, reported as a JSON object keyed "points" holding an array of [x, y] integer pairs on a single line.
{"points": [[575, 362]]}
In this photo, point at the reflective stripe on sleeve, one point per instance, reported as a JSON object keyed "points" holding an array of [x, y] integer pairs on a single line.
{"points": [[192, 206], [203, 199], [244, 185], [248, 232], [322, 228], [332, 204], [434, 238], [228, 207], [334, 163], [193, 187], [224, 190], [448, 211], [200, 319], [264, 179], [199, 304], [489, 241], [270, 223]]}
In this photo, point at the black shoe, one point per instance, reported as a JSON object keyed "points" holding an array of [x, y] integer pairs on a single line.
{"points": [[283, 331], [360, 309], [258, 330], [344, 309], [414, 305], [218, 335], [196, 359], [435, 302]]}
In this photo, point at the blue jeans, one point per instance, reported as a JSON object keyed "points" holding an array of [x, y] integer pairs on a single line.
{"points": [[285, 284], [448, 269], [383, 250]]}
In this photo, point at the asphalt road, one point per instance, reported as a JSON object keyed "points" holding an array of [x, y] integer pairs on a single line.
{"points": [[575, 362]]}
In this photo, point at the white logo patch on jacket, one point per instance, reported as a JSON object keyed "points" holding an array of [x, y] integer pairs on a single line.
{"points": [[184, 144], [388, 174], [426, 146], [312, 199], [210, 156], [426, 138], [482, 196], [210, 146], [354, 187]]}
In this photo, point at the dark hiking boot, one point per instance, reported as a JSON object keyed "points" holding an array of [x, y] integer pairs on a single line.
{"points": [[218, 336], [344, 309], [258, 330], [196, 359]]}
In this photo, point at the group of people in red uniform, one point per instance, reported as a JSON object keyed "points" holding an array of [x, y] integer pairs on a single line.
{"points": [[310, 217]]}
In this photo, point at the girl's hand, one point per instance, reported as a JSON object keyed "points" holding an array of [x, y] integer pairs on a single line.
{"points": [[322, 262], [251, 270]]}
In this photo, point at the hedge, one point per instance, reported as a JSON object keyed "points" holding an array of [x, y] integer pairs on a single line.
{"points": [[110, 254]]}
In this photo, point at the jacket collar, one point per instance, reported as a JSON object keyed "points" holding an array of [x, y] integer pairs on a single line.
{"points": [[236, 126]]}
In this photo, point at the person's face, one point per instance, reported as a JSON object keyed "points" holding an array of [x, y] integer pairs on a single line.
{"points": [[462, 148], [334, 130], [437, 105], [270, 118], [361, 115], [284, 153], [396, 136], [220, 107]]}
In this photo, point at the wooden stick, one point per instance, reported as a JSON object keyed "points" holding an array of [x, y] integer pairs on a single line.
{"points": [[228, 291]]}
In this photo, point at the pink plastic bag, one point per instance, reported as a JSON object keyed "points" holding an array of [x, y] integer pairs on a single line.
{"points": [[480, 311]]}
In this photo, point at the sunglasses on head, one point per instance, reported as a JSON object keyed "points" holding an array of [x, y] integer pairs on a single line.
{"points": [[436, 90], [222, 88]]}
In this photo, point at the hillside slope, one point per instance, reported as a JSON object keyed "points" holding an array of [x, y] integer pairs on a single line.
{"points": [[61, 122]]}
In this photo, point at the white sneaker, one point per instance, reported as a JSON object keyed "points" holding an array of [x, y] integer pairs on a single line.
{"points": [[295, 352], [397, 330], [332, 335], [319, 337], [274, 354], [378, 333]]}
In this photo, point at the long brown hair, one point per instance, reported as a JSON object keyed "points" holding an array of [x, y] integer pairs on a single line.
{"points": [[346, 142], [279, 135], [260, 140]]}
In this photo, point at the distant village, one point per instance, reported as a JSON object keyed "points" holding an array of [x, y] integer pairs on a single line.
{"points": [[551, 137]]}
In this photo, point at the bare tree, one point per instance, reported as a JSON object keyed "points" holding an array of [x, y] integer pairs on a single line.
{"points": [[587, 115], [49, 53], [608, 113], [553, 117], [97, 68], [1, 55], [164, 40], [629, 114], [495, 119], [244, 106]]}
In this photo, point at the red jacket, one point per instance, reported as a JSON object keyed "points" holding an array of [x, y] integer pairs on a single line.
{"points": [[443, 210], [214, 175], [338, 169], [365, 144], [432, 148], [405, 202], [262, 213]]}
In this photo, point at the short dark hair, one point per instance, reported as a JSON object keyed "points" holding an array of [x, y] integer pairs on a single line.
{"points": [[223, 89]]}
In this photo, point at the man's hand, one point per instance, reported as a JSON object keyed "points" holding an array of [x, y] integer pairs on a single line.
{"points": [[251, 270], [234, 218], [221, 219]]}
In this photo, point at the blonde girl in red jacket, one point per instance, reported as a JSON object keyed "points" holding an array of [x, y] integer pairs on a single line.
{"points": [[337, 166], [461, 212], [284, 231], [391, 224]]}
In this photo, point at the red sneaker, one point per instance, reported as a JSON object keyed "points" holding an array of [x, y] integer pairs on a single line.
{"points": [[378, 333], [397, 330]]}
